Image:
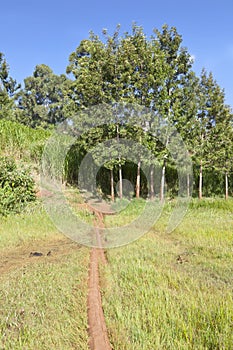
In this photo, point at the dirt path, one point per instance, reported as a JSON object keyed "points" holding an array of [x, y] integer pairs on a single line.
{"points": [[97, 327], [39, 251]]}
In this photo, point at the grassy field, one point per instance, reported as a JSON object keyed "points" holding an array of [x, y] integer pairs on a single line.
{"points": [[173, 291], [164, 291], [42, 299]]}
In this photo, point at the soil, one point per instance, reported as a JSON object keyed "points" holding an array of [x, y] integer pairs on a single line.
{"points": [[96, 322]]}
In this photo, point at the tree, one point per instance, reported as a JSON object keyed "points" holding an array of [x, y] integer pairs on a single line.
{"points": [[157, 74], [114, 71], [41, 101], [8, 87], [172, 98], [211, 120], [221, 137], [140, 74]]}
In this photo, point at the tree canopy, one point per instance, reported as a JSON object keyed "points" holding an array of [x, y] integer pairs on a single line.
{"points": [[155, 72]]}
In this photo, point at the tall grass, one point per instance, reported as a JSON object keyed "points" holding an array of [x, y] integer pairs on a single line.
{"points": [[21, 142], [174, 291]]}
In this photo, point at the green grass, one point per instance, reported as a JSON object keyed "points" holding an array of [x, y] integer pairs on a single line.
{"points": [[76, 202], [42, 300], [153, 301], [126, 210], [33, 224], [43, 306]]}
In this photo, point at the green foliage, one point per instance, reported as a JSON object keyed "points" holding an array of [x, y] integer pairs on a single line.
{"points": [[21, 142], [132, 69], [8, 87], [41, 101], [155, 72], [7, 82], [16, 187]]}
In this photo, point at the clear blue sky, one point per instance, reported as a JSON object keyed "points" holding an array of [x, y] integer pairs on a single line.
{"points": [[35, 32]]}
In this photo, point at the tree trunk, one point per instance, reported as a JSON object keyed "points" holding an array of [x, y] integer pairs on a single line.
{"points": [[112, 185], [152, 192], [200, 181], [188, 185], [226, 185], [162, 186], [120, 168], [138, 180], [120, 182]]}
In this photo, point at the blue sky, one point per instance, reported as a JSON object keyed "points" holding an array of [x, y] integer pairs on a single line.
{"points": [[48, 31]]}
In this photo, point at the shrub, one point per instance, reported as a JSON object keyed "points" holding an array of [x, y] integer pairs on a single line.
{"points": [[16, 187]]}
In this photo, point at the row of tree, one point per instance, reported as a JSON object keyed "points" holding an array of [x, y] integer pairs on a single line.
{"points": [[156, 73]]}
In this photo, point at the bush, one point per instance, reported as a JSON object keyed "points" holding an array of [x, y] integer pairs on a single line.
{"points": [[16, 187]]}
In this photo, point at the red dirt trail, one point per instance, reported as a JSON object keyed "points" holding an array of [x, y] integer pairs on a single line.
{"points": [[97, 327]]}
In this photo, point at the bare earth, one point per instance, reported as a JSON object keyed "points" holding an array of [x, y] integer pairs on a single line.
{"points": [[97, 327]]}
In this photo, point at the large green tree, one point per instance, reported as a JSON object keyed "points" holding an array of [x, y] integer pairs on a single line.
{"points": [[174, 98], [116, 70], [155, 73], [210, 126], [219, 139], [41, 101]]}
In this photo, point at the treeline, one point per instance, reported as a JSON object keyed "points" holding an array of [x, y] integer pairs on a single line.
{"points": [[154, 72]]}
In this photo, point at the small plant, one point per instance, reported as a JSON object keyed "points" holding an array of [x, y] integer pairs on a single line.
{"points": [[16, 187]]}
